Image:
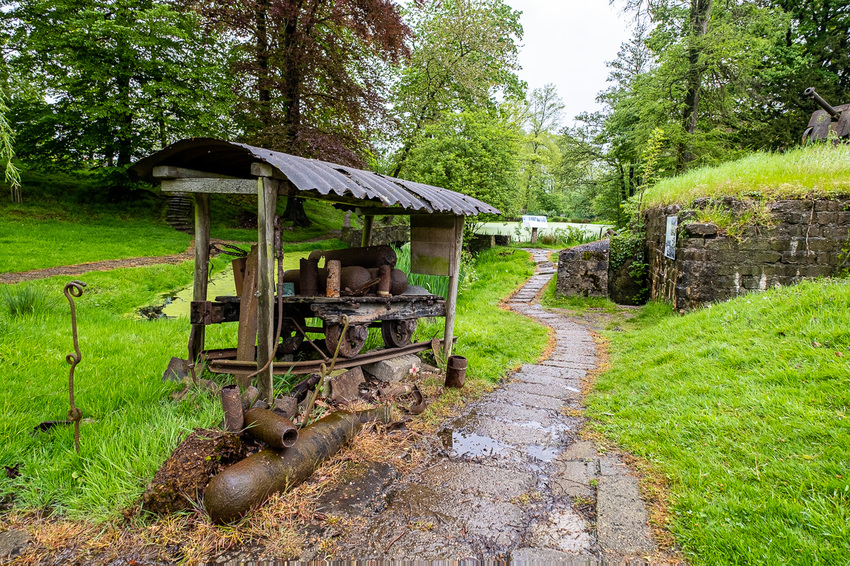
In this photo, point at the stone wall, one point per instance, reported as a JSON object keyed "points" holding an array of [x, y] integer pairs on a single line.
{"points": [[794, 240], [583, 270]]}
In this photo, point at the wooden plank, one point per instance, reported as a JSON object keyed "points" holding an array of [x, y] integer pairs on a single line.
{"points": [[366, 239], [202, 258], [451, 300], [210, 185], [247, 334], [266, 205], [368, 312], [170, 172], [432, 243]]}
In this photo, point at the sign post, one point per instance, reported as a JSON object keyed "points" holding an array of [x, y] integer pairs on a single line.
{"points": [[534, 222]]}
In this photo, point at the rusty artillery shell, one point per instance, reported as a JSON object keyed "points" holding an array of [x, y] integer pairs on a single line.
{"points": [[309, 277], [231, 402], [249, 483], [334, 268], [384, 272], [271, 428]]}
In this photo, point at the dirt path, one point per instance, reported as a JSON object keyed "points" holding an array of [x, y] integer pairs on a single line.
{"points": [[509, 479], [107, 265]]}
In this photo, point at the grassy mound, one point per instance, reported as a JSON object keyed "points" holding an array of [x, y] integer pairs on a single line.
{"points": [[820, 170], [743, 408]]}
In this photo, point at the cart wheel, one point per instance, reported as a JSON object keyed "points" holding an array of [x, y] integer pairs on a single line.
{"points": [[354, 340], [398, 333], [290, 337]]}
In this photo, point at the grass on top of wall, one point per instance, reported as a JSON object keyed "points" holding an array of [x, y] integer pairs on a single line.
{"points": [[818, 170]]}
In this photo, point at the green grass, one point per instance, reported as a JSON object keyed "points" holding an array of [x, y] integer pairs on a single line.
{"points": [[492, 339], [820, 170], [743, 408], [30, 243], [118, 385], [227, 213], [578, 304]]}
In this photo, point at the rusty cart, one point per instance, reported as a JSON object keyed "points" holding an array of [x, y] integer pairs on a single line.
{"points": [[203, 166]]}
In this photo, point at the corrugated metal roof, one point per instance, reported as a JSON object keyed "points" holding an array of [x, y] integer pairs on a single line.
{"points": [[311, 175]]}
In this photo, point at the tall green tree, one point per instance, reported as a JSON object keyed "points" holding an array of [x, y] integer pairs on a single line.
{"points": [[540, 118], [312, 73], [116, 78], [470, 152], [463, 58]]}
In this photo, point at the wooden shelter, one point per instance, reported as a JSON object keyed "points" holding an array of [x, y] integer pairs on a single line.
{"points": [[204, 166]]}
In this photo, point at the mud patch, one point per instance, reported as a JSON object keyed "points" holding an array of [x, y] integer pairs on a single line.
{"points": [[361, 489], [182, 479]]}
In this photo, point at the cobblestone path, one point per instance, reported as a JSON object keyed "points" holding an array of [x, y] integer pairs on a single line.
{"points": [[513, 480]]}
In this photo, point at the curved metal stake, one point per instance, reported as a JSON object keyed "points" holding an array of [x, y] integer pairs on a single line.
{"points": [[74, 289]]}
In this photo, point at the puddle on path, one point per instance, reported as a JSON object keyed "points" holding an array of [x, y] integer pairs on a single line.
{"points": [[470, 445]]}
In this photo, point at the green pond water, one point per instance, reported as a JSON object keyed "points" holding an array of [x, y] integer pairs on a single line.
{"points": [[220, 284]]}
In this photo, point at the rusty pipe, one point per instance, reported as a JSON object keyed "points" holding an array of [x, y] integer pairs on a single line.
{"points": [[248, 483], [273, 429], [811, 93]]}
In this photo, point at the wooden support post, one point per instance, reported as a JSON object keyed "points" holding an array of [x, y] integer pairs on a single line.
{"points": [[266, 206], [534, 235], [366, 240], [454, 277], [202, 259]]}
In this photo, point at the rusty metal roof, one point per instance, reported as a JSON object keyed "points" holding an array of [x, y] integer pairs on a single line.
{"points": [[312, 176]]}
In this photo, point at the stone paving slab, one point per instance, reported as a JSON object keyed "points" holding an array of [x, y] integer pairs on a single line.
{"points": [[621, 518], [530, 399], [474, 479], [556, 390]]}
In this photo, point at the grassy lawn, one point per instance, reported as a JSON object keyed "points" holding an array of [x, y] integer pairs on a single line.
{"points": [[742, 409], [32, 243], [134, 423], [64, 221]]}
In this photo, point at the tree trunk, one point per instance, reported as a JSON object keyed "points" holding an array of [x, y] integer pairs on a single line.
{"points": [[699, 18], [295, 212], [263, 91]]}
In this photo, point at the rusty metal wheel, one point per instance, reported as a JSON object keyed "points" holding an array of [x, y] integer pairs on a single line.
{"points": [[349, 346], [290, 335], [398, 333]]}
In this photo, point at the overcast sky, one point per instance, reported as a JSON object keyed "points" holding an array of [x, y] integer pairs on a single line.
{"points": [[567, 42]]}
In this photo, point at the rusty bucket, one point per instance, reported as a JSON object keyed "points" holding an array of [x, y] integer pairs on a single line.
{"points": [[455, 371]]}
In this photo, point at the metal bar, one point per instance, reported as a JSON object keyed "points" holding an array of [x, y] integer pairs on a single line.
{"points": [[314, 366]]}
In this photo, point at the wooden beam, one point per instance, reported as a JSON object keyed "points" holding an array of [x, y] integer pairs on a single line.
{"points": [[202, 259], [454, 276], [366, 239], [210, 185], [169, 172], [267, 190]]}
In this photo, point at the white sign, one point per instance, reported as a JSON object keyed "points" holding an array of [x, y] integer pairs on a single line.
{"points": [[533, 221], [670, 240]]}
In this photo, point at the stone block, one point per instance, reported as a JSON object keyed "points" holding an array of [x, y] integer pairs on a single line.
{"points": [[394, 369], [701, 229], [346, 387]]}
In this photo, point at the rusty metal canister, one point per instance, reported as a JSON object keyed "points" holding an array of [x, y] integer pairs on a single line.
{"points": [[455, 371], [231, 402], [271, 428]]}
